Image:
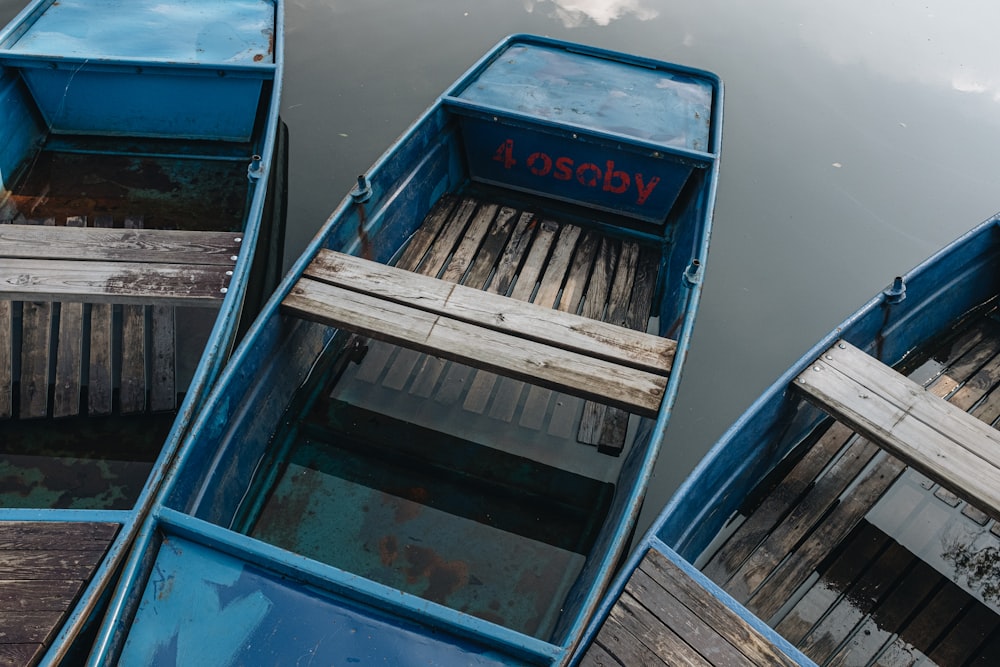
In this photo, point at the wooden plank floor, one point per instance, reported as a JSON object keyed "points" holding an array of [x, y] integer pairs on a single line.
{"points": [[806, 559], [515, 253], [663, 617], [44, 566]]}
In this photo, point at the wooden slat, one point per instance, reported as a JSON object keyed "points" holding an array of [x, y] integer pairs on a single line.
{"points": [[528, 320], [519, 243], [6, 360], [36, 328], [664, 615], [69, 351], [69, 360], [119, 245], [459, 341], [132, 394], [112, 282], [942, 441], [612, 439], [163, 393], [99, 385]]}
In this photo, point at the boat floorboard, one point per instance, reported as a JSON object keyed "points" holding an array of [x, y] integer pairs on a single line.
{"points": [[814, 560], [663, 617], [514, 253], [44, 566]]}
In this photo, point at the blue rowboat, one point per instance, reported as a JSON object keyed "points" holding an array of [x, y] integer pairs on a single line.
{"points": [[850, 515], [140, 169], [392, 466]]}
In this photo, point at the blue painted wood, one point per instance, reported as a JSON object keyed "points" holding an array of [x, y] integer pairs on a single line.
{"points": [[940, 290], [232, 441], [193, 69], [75, 68]]}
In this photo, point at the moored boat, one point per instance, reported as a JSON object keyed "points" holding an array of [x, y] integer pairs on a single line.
{"points": [[140, 173], [849, 517], [433, 444]]}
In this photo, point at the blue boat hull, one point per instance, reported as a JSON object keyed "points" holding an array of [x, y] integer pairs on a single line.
{"points": [[895, 327], [134, 99], [195, 560]]}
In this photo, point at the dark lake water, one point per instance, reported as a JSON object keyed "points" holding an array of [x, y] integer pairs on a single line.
{"points": [[858, 139]]}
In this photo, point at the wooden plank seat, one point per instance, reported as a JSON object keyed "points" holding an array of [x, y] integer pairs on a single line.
{"points": [[955, 449], [94, 307], [558, 350]]}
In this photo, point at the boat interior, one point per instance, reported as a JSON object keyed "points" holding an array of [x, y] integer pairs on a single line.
{"points": [[857, 558]]}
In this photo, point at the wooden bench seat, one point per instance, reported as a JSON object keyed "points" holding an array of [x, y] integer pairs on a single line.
{"points": [[103, 265], [528, 342], [97, 301], [947, 444]]}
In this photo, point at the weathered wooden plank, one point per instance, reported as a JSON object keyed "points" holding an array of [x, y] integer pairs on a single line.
{"points": [[507, 392], [712, 611], [556, 272], [616, 640], [942, 441], [612, 439], [594, 305], [132, 393], [38, 594], [796, 568], [667, 610], [454, 270], [423, 238], [859, 548], [69, 360], [449, 238], [598, 656], [481, 386], [30, 627], [888, 618], [42, 535], [52, 564], [17, 655], [163, 392], [459, 341], [113, 282], [966, 637], [36, 332], [6, 359], [119, 245], [69, 351], [924, 630], [593, 420], [533, 321], [464, 255], [803, 518], [99, 384], [852, 608], [659, 639], [776, 505], [483, 263]]}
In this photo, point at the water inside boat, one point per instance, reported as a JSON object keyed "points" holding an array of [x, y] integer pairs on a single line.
{"points": [[101, 461], [856, 558], [481, 493]]}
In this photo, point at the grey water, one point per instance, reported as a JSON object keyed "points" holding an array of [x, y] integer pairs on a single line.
{"points": [[859, 138]]}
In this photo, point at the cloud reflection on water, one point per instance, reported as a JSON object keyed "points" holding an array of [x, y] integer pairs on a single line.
{"points": [[576, 13]]}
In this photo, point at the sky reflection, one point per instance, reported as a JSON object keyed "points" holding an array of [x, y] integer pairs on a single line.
{"points": [[577, 13]]}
